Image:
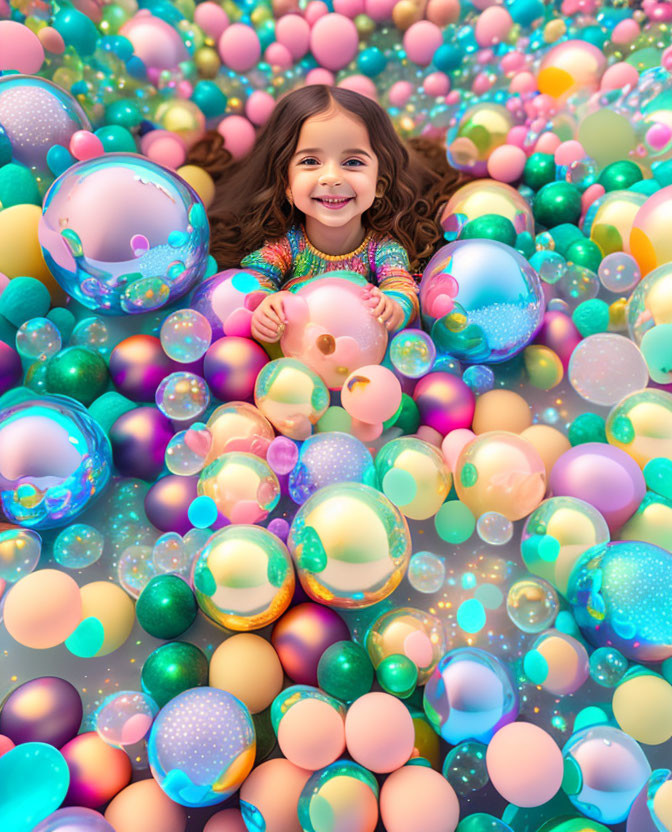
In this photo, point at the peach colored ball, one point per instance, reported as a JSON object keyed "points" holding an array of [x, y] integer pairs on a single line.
{"points": [[525, 764], [42, 609], [97, 770], [247, 666], [361, 84], [501, 410], [506, 163], [228, 820], [492, 26], [418, 799], [443, 12], [379, 732], [550, 443], [238, 134], [453, 443], [567, 662], [273, 788], [568, 152], [619, 75], [144, 807], [312, 734], [547, 143]]}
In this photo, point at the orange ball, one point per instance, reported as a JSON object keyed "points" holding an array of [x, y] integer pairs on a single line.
{"points": [[549, 442], [97, 770], [273, 789], [145, 807], [501, 410], [43, 608]]}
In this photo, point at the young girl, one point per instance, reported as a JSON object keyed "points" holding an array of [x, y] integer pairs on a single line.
{"points": [[328, 185]]}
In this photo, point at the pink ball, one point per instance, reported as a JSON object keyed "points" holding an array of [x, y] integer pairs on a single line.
{"points": [[312, 734], [228, 820], [421, 40], [350, 8], [506, 163], [525, 764], [512, 62], [85, 145], [239, 47], [658, 136], [618, 76], [492, 26], [273, 789], [238, 135], [211, 18], [320, 76], [20, 48], [334, 41], [164, 148], [314, 11], [278, 55], [379, 10], [360, 84], [418, 799], [443, 12], [453, 443], [517, 135], [593, 192], [445, 402], [371, 394], [52, 40], [155, 42], [546, 143], [293, 32], [437, 83], [568, 152], [231, 366], [400, 92], [379, 732], [482, 83], [625, 31], [259, 106], [604, 476]]}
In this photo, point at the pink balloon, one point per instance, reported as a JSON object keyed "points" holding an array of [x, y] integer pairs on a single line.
{"points": [[278, 55], [314, 11], [512, 61], [517, 135], [443, 12], [20, 48], [568, 152], [400, 92], [625, 31], [52, 40], [525, 764], [334, 41], [492, 26], [418, 799], [593, 192], [379, 10], [506, 163], [211, 18], [259, 106], [523, 82], [293, 32], [155, 42], [421, 40], [320, 76], [436, 83], [618, 76], [238, 135], [164, 148], [360, 84], [453, 443], [350, 8], [239, 47], [546, 143], [85, 145]]}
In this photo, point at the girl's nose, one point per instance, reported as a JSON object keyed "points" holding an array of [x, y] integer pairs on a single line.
{"points": [[330, 175]]}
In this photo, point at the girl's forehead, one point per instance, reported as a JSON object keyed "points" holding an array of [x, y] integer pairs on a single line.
{"points": [[334, 127]]}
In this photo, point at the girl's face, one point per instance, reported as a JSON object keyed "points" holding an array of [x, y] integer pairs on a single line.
{"points": [[333, 173]]}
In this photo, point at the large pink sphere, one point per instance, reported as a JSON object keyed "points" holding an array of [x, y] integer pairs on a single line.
{"points": [[239, 47], [445, 402], [293, 32], [238, 134], [334, 41], [20, 48], [231, 366], [379, 732], [421, 40], [155, 42], [418, 799], [371, 394]]}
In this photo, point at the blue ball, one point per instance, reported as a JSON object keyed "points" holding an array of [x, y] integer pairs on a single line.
{"points": [[34, 779], [371, 61], [447, 57]]}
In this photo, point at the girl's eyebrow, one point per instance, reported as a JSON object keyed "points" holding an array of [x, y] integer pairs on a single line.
{"points": [[347, 152]]}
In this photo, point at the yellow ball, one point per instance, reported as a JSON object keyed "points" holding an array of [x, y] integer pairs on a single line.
{"points": [[183, 118], [248, 667], [543, 366], [662, 804], [549, 442], [113, 608], [405, 13], [200, 180], [426, 742], [643, 708], [651, 523], [207, 62], [20, 252]]}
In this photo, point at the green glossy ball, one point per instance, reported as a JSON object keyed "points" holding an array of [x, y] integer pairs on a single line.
{"points": [[619, 175], [345, 671], [490, 227], [588, 427], [658, 476], [116, 139], [409, 415], [585, 253], [557, 203], [166, 607], [539, 170], [564, 236], [172, 669], [525, 244], [397, 675], [78, 372]]}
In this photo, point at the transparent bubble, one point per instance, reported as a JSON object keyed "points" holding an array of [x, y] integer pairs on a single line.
{"points": [[182, 396], [136, 569], [19, 553], [607, 666], [170, 554], [582, 173], [606, 367], [532, 604], [551, 267], [93, 333], [544, 242], [426, 572], [412, 352], [479, 377], [145, 294], [464, 767], [181, 458], [125, 718], [494, 528], [38, 339], [185, 335], [78, 546], [577, 284], [194, 540], [619, 272]]}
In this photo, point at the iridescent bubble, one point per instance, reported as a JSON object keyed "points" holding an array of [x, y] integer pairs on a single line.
{"points": [[78, 546], [136, 569], [577, 284], [170, 554], [38, 339], [619, 272], [19, 553], [185, 335], [582, 173], [479, 377], [532, 604], [182, 455], [412, 352], [92, 332], [426, 572], [607, 666], [125, 718], [182, 396], [464, 767], [493, 528], [606, 367]]}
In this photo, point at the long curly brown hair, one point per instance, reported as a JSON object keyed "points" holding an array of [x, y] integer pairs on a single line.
{"points": [[250, 204]]}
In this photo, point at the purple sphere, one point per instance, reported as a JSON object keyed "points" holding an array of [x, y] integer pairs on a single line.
{"points": [[231, 366], [139, 440], [47, 709], [74, 819], [10, 368], [227, 303], [445, 402], [138, 365], [604, 476], [167, 503]]}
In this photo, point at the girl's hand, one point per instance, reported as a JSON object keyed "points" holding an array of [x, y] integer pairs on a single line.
{"points": [[269, 319], [388, 311]]}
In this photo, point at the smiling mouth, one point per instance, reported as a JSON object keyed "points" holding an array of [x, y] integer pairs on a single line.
{"points": [[333, 202]]}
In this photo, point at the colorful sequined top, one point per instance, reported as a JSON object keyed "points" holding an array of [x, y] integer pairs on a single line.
{"points": [[289, 262]]}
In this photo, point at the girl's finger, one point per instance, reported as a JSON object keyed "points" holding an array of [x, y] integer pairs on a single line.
{"points": [[379, 308]]}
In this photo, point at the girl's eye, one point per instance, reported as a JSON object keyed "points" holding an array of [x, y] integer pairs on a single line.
{"points": [[305, 161], [356, 161]]}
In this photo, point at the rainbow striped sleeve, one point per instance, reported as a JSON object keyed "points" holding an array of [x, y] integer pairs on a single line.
{"points": [[393, 273], [271, 263]]}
